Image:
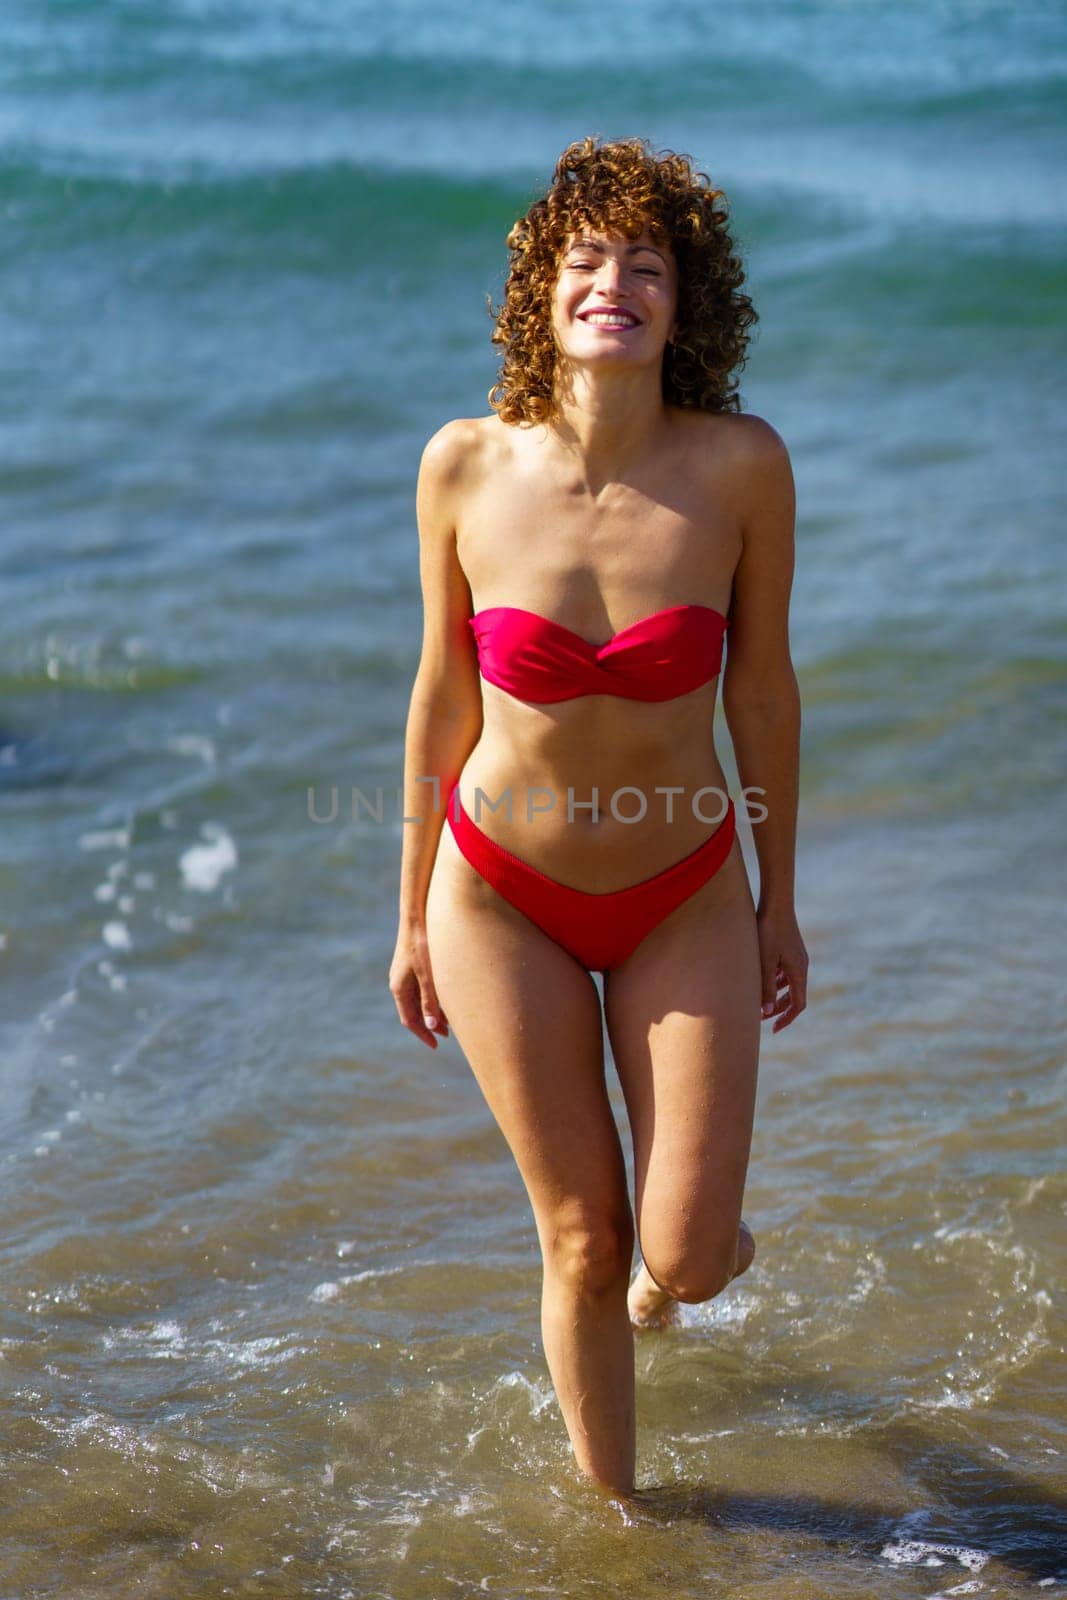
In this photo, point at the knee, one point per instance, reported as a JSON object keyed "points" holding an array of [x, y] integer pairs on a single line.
{"points": [[591, 1250], [700, 1274]]}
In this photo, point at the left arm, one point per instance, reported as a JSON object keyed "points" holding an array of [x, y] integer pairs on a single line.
{"points": [[761, 702]]}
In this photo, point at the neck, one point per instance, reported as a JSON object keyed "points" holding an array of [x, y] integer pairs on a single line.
{"points": [[608, 420]]}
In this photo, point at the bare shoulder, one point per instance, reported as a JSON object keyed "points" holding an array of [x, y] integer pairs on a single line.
{"points": [[743, 467], [450, 466], [754, 435], [456, 457], [733, 449], [760, 474], [449, 452], [736, 440], [763, 462]]}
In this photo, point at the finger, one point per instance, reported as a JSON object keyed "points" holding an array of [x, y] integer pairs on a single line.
{"points": [[414, 1020], [768, 993], [779, 995], [789, 1015], [410, 1011], [785, 1006], [432, 1014], [797, 983]]}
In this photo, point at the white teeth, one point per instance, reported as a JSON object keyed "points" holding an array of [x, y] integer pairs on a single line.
{"points": [[605, 320]]}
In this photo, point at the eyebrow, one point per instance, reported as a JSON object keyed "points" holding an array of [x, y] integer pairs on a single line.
{"points": [[631, 249]]}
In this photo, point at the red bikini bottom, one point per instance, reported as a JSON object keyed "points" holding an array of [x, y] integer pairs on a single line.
{"points": [[598, 930]]}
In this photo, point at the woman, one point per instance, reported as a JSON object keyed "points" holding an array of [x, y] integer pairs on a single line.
{"points": [[583, 551]]}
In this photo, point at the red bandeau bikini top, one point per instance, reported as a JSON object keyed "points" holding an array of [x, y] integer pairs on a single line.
{"points": [[656, 658]]}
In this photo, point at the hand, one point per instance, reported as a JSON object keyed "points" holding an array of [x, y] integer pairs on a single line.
{"points": [[784, 966], [412, 987]]}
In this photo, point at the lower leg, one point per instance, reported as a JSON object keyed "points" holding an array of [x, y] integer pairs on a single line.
{"points": [[589, 1349], [651, 1306]]}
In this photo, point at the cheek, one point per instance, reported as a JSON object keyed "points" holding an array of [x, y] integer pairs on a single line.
{"points": [[559, 313]]}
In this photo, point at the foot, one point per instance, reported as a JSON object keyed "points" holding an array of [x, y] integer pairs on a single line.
{"points": [[649, 1305], [652, 1307]]}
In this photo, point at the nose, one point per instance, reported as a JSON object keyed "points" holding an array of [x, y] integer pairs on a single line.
{"points": [[608, 273]]}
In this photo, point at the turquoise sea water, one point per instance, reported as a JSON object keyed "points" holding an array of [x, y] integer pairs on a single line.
{"points": [[270, 1306]]}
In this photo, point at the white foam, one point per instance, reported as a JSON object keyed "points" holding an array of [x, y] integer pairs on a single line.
{"points": [[202, 865], [332, 1288], [167, 1335], [117, 936], [921, 1552], [265, 1352], [868, 1279], [539, 1397], [167, 1332], [726, 1311]]}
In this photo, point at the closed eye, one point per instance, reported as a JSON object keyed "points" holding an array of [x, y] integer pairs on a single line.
{"points": [[583, 266]]}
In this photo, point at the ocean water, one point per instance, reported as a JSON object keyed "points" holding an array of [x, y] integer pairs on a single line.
{"points": [[270, 1282]]}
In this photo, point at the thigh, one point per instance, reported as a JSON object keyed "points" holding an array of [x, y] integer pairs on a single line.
{"points": [[528, 1018], [683, 1019]]}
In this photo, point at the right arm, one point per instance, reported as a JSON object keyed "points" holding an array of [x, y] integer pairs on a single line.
{"points": [[444, 716]]}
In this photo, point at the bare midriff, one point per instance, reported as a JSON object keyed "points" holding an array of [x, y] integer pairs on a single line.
{"points": [[645, 761], [529, 541]]}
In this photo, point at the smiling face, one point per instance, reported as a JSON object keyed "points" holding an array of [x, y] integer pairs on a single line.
{"points": [[615, 298]]}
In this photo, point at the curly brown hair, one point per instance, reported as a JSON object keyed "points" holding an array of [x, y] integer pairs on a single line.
{"points": [[620, 186]]}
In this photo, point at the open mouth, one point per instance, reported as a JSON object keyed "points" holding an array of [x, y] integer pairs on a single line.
{"points": [[618, 322]]}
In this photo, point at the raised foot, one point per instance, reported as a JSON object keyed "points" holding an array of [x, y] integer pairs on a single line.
{"points": [[652, 1307], [649, 1306]]}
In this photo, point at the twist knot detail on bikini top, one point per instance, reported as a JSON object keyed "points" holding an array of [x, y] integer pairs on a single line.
{"points": [[656, 658]]}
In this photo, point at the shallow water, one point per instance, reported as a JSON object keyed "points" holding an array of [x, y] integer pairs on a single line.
{"points": [[271, 1308]]}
